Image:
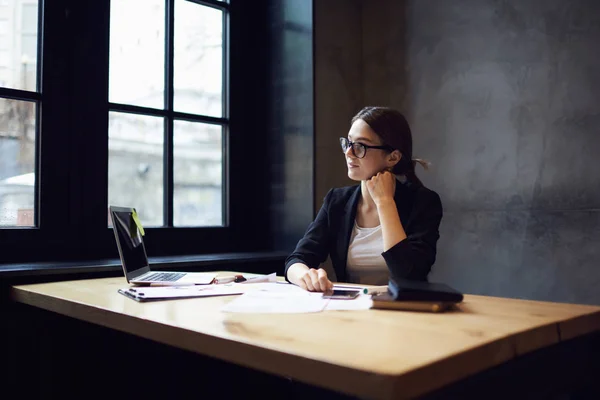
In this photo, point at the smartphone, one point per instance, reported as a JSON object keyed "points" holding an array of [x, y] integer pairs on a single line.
{"points": [[341, 294]]}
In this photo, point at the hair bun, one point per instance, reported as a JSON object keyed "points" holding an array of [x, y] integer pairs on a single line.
{"points": [[425, 164]]}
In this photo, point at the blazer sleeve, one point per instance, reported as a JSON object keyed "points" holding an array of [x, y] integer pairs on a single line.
{"points": [[312, 249], [413, 257]]}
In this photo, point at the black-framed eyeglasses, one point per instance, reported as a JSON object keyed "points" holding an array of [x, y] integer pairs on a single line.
{"points": [[358, 149]]}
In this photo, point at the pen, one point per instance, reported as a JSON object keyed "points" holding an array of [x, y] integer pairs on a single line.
{"points": [[376, 290], [228, 279]]}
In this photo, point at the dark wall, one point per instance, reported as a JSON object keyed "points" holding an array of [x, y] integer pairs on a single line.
{"points": [[338, 92], [291, 119], [504, 100]]}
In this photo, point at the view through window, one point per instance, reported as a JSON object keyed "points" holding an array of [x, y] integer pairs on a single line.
{"points": [[19, 102], [167, 119]]}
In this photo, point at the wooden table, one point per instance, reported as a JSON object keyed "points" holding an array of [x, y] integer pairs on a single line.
{"points": [[375, 354]]}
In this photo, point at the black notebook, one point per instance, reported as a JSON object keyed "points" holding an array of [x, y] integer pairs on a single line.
{"points": [[406, 290], [417, 296]]}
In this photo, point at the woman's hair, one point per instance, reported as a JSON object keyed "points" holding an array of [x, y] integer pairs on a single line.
{"points": [[391, 126]]}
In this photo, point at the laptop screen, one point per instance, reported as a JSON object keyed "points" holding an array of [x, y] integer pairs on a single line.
{"points": [[129, 242]]}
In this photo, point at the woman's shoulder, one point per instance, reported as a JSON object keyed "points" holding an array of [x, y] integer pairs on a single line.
{"points": [[425, 195], [341, 194], [344, 191], [424, 191]]}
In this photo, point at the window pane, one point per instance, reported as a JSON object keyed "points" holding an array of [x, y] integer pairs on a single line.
{"points": [[197, 174], [135, 165], [137, 49], [29, 18], [18, 45], [4, 42], [17, 162], [29, 50], [198, 61]]}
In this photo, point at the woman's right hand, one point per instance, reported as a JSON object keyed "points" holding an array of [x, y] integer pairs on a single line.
{"points": [[313, 280]]}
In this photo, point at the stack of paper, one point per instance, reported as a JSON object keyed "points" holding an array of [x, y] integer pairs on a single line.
{"points": [[175, 292]]}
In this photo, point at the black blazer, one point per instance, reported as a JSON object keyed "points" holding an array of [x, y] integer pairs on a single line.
{"points": [[420, 211]]}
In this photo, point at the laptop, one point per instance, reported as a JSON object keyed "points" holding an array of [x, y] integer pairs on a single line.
{"points": [[135, 260]]}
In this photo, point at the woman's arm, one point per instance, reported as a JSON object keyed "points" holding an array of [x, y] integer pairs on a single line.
{"points": [[382, 187], [412, 257], [410, 251], [391, 226], [310, 252]]}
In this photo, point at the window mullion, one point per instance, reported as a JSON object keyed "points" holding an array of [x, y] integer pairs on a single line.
{"points": [[168, 140]]}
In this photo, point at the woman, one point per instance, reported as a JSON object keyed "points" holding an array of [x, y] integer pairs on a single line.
{"points": [[385, 225]]}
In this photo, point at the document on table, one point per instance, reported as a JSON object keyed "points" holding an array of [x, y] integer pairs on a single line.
{"points": [[149, 293], [262, 301], [286, 298], [256, 278], [362, 302]]}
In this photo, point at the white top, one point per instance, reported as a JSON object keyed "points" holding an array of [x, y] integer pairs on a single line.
{"points": [[365, 263]]}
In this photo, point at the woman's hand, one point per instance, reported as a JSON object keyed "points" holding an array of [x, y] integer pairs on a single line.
{"points": [[382, 187], [315, 280]]}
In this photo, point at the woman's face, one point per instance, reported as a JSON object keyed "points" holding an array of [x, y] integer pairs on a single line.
{"points": [[375, 160]]}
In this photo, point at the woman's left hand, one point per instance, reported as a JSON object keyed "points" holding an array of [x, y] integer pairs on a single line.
{"points": [[382, 187]]}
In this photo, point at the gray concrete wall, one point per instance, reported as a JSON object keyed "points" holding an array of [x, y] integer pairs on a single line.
{"points": [[504, 100]]}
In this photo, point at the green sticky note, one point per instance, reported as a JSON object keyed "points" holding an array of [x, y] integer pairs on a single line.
{"points": [[137, 222]]}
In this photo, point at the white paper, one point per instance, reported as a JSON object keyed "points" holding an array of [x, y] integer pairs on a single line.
{"points": [[362, 302], [166, 292], [287, 298], [276, 287], [254, 278], [282, 301]]}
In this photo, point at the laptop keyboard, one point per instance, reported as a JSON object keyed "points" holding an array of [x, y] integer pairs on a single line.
{"points": [[164, 276]]}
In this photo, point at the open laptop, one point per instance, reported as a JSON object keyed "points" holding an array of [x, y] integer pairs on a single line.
{"points": [[135, 260]]}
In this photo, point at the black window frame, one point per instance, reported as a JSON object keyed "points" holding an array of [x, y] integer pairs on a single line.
{"points": [[72, 140], [169, 114]]}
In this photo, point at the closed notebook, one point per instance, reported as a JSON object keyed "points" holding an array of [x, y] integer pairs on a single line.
{"points": [[417, 296], [406, 290], [386, 302]]}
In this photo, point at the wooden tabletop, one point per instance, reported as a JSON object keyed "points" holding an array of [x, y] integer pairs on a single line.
{"points": [[371, 353]]}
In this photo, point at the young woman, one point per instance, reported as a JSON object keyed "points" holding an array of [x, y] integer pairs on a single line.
{"points": [[387, 224]]}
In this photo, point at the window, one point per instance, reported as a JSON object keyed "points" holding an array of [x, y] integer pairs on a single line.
{"points": [[168, 111], [145, 103], [20, 101]]}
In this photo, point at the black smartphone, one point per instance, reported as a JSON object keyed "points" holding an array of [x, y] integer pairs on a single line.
{"points": [[341, 294]]}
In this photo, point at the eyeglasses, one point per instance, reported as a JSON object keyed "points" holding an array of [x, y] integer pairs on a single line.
{"points": [[358, 149]]}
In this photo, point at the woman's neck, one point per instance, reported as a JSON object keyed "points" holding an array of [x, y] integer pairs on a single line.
{"points": [[366, 201]]}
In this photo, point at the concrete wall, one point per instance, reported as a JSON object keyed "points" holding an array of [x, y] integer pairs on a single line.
{"points": [[504, 100]]}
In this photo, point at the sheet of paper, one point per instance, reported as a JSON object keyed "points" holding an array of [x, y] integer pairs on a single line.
{"points": [[277, 287], [167, 292], [283, 301], [362, 302], [254, 278], [286, 298]]}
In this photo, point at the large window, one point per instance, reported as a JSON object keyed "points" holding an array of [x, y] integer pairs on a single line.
{"points": [[142, 103], [20, 100], [168, 114]]}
